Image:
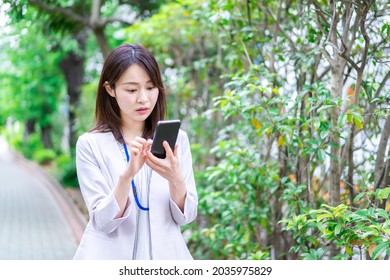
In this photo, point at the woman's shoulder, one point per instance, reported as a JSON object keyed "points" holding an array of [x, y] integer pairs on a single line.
{"points": [[182, 135], [95, 137], [182, 138]]}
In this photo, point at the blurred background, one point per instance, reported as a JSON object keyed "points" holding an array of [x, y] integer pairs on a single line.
{"points": [[286, 103]]}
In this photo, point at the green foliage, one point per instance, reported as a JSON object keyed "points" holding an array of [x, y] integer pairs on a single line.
{"points": [[44, 156], [67, 174], [261, 119], [370, 196], [32, 83], [314, 254], [27, 148], [233, 190], [259, 255], [361, 229], [86, 109]]}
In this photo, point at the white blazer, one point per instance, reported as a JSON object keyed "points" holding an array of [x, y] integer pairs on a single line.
{"points": [[99, 162]]}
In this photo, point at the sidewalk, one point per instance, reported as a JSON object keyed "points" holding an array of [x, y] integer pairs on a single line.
{"points": [[37, 219]]}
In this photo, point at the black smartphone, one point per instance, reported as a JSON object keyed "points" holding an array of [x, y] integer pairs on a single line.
{"points": [[165, 131]]}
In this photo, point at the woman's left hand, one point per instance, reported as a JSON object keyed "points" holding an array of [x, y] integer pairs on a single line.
{"points": [[169, 168]]}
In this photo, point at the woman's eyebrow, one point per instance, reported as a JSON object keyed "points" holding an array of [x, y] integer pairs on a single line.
{"points": [[135, 83], [130, 83]]}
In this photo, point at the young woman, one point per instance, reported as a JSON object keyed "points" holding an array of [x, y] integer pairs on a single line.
{"points": [[114, 157]]}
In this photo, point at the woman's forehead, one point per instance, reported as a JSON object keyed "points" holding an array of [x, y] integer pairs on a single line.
{"points": [[134, 74]]}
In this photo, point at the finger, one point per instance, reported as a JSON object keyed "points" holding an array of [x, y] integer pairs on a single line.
{"points": [[135, 151], [140, 140], [154, 166], [168, 149], [150, 163], [148, 145], [137, 145], [153, 159]]}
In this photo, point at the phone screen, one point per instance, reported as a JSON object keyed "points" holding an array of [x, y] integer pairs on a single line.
{"points": [[165, 131]]}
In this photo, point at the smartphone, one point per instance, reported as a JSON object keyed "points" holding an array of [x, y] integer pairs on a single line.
{"points": [[165, 131]]}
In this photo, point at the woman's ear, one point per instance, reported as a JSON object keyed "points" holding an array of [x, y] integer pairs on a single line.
{"points": [[109, 89]]}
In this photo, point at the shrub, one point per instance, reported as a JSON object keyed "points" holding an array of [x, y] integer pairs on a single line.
{"points": [[44, 156], [67, 174]]}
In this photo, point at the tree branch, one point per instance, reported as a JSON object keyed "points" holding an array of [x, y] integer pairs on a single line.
{"points": [[60, 10], [328, 57], [351, 165], [370, 110], [332, 36], [346, 21], [343, 54], [320, 12], [365, 35], [115, 19], [248, 10], [354, 28], [93, 22], [381, 153], [322, 75], [95, 13], [277, 22]]}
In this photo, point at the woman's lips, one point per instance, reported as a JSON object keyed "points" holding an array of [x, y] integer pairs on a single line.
{"points": [[142, 111]]}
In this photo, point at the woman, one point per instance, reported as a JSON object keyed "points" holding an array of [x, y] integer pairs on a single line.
{"points": [[115, 155]]}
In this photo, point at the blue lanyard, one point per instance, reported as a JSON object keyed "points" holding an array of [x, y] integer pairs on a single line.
{"points": [[132, 181]]}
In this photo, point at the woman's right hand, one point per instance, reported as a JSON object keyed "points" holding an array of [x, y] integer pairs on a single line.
{"points": [[137, 156], [137, 150]]}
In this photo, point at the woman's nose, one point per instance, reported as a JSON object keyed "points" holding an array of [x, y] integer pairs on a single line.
{"points": [[142, 97]]}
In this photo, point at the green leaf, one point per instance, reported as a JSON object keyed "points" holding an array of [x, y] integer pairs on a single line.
{"points": [[296, 248], [383, 213], [321, 155], [337, 229], [324, 216], [375, 100], [380, 248], [384, 193], [349, 118], [358, 123], [324, 134], [325, 107], [348, 250], [316, 123], [358, 197]]}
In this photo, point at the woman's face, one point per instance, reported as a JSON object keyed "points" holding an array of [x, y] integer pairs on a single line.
{"points": [[135, 93]]}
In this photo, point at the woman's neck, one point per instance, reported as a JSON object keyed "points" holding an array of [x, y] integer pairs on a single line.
{"points": [[130, 131]]}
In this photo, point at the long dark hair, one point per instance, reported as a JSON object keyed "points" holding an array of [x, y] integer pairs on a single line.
{"points": [[107, 113]]}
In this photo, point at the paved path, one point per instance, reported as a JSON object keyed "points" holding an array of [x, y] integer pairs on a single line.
{"points": [[36, 219]]}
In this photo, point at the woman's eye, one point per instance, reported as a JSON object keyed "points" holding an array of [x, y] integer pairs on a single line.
{"points": [[132, 90], [150, 87]]}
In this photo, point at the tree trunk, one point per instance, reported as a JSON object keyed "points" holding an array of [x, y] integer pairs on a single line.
{"points": [[277, 239], [73, 68], [29, 129], [45, 136], [102, 41], [382, 165], [336, 90], [335, 174]]}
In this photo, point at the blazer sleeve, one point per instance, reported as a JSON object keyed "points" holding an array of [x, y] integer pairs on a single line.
{"points": [[191, 202], [97, 193]]}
